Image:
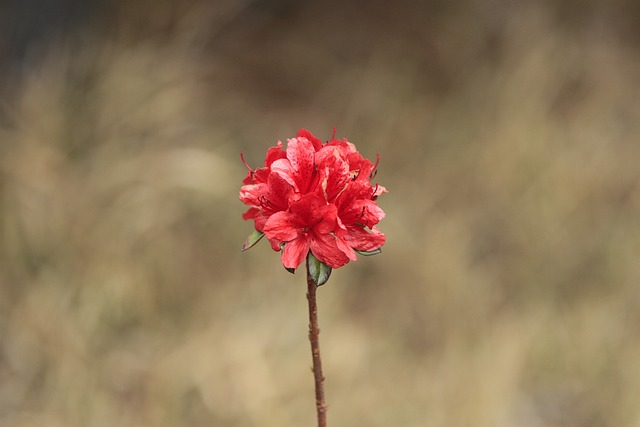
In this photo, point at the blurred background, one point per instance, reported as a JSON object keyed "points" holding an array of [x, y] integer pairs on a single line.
{"points": [[507, 293]]}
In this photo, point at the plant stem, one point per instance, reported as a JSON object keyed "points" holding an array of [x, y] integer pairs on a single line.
{"points": [[314, 331]]}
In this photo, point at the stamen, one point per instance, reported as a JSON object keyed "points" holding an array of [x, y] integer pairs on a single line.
{"points": [[245, 163], [375, 190], [374, 172], [264, 202]]}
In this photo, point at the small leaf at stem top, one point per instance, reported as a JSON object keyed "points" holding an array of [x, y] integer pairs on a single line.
{"points": [[252, 240], [369, 253], [317, 270]]}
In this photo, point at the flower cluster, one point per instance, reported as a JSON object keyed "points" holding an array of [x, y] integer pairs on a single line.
{"points": [[315, 197]]}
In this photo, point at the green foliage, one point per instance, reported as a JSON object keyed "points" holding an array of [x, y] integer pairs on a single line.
{"points": [[318, 271]]}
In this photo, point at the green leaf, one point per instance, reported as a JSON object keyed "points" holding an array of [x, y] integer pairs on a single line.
{"points": [[369, 253], [252, 240], [317, 270]]}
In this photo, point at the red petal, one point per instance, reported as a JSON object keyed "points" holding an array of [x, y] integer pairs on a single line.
{"points": [[250, 214], [355, 190], [362, 239], [281, 226], [344, 146], [250, 194], [356, 206], [273, 154], [346, 249], [328, 220], [335, 172], [309, 210], [260, 175], [248, 179], [301, 153], [303, 133], [372, 213], [378, 190], [325, 248], [295, 252], [284, 168], [257, 217], [259, 222], [279, 193]]}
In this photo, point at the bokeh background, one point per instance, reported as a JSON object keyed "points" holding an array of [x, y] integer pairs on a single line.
{"points": [[508, 292]]}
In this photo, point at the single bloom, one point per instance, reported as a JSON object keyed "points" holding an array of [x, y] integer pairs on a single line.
{"points": [[307, 225], [314, 197]]}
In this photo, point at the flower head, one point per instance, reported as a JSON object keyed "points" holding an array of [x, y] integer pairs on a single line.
{"points": [[314, 197]]}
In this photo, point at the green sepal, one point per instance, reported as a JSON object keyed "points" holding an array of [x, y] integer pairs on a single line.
{"points": [[290, 270], [252, 240], [317, 270], [369, 253]]}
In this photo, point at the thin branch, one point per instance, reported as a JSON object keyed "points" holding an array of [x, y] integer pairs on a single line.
{"points": [[314, 331]]}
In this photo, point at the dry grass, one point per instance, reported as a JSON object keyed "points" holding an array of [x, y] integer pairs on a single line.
{"points": [[508, 291]]}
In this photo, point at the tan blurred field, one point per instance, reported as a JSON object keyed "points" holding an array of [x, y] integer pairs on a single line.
{"points": [[507, 294]]}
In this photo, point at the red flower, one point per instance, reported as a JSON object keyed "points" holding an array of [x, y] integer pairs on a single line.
{"points": [[261, 174], [266, 198], [315, 197], [265, 192], [358, 214], [299, 166], [308, 225]]}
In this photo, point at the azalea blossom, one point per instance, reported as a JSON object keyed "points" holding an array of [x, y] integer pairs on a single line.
{"points": [[314, 197], [309, 224]]}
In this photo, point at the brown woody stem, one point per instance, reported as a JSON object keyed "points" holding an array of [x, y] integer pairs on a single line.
{"points": [[314, 331]]}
